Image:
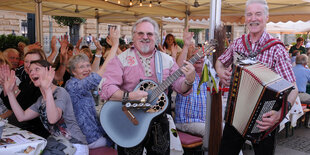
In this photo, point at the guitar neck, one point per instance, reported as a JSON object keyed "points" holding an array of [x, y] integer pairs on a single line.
{"points": [[163, 86]]}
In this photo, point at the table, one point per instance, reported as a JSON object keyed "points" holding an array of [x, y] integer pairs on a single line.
{"points": [[17, 141]]}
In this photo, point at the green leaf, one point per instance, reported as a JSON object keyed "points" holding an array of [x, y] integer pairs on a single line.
{"points": [[68, 21]]}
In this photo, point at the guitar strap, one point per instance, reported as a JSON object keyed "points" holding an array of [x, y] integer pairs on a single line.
{"points": [[159, 66]]}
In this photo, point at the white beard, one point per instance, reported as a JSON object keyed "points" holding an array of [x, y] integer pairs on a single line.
{"points": [[144, 48]]}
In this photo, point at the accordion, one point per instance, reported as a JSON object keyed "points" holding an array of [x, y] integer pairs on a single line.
{"points": [[254, 90]]}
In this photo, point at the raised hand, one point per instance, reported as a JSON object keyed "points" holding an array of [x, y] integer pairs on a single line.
{"points": [[9, 80], [36, 45], [114, 36], [53, 43], [97, 44], [174, 50], [64, 53], [187, 37], [47, 78], [63, 40], [79, 43]]}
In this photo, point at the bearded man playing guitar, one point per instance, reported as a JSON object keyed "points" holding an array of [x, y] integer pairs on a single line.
{"points": [[125, 71]]}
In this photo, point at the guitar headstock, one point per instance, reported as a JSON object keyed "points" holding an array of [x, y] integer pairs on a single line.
{"points": [[205, 50], [208, 48]]}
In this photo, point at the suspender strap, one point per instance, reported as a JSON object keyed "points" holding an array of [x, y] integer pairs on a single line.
{"points": [[158, 66], [247, 44], [270, 43]]}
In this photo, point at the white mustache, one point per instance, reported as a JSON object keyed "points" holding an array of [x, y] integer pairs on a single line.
{"points": [[145, 40]]}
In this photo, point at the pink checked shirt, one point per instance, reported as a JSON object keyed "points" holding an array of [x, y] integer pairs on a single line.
{"points": [[126, 70], [275, 57]]}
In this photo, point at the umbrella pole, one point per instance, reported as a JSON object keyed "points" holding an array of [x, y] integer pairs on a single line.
{"points": [[38, 22], [213, 131]]}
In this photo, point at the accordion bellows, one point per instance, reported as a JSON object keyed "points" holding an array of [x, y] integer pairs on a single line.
{"points": [[254, 90]]}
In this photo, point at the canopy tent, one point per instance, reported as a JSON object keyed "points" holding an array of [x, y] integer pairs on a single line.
{"points": [[110, 11], [290, 27]]}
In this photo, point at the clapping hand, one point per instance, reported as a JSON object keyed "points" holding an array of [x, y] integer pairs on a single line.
{"points": [[9, 79], [47, 78]]}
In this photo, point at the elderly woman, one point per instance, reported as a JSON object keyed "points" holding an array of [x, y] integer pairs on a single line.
{"points": [[54, 106], [79, 88]]}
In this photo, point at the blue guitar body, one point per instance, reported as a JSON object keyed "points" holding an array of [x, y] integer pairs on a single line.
{"points": [[116, 119], [120, 128]]}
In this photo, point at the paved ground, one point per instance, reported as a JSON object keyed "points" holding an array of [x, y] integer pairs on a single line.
{"points": [[297, 144]]}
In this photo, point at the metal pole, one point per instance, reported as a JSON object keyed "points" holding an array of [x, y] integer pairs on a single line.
{"points": [[161, 32], [39, 23], [97, 23], [186, 17], [215, 19], [50, 21]]}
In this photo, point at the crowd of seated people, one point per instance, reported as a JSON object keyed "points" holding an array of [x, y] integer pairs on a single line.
{"points": [[32, 99], [52, 96]]}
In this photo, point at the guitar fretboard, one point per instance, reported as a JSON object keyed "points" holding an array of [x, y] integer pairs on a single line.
{"points": [[163, 86]]}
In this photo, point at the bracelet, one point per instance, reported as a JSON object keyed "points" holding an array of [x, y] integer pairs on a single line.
{"points": [[63, 64], [189, 84], [98, 55], [125, 97]]}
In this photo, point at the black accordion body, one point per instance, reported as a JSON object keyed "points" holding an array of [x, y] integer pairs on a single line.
{"points": [[254, 90]]}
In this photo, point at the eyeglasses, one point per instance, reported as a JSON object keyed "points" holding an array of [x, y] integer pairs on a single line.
{"points": [[141, 34]]}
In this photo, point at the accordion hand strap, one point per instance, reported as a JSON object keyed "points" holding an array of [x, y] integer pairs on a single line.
{"points": [[284, 110]]}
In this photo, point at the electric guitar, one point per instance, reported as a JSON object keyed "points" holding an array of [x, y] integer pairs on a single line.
{"points": [[127, 124]]}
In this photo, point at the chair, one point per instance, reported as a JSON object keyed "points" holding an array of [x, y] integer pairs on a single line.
{"points": [[305, 118], [190, 143], [103, 150]]}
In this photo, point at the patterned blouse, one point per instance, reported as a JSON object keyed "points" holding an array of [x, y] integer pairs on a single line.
{"points": [[84, 105]]}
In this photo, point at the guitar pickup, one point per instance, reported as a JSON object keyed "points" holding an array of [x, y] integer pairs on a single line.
{"points": [[130, 105]]}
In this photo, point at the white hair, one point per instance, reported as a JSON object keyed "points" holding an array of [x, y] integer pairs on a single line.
{"points": [[149, 20], [262, 2]]}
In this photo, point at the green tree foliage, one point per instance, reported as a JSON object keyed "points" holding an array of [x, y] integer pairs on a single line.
{"points": [[68, 21], [11, 41], [179, 42]]}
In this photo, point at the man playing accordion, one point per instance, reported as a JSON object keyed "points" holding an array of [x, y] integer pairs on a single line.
{"points": [[274, 56]]}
